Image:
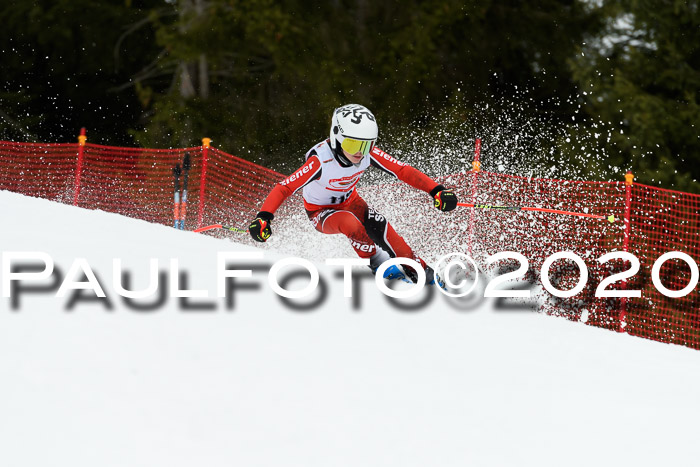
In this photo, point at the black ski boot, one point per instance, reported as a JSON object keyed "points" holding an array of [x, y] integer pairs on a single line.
{"points": [[431, 277]]}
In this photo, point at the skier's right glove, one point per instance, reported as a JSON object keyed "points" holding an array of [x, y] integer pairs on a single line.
{"points": [[260, 228]]}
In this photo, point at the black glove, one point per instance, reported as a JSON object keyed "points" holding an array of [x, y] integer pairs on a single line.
{"points": [[445, 199], [260, 228]]}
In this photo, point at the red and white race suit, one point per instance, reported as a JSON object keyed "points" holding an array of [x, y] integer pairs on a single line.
{"points": [[333, 204]]}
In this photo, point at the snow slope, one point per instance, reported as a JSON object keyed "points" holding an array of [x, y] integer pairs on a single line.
{"points": [[264, 385]]}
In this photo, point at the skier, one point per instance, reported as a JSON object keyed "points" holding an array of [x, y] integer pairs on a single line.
{"points": [[328, 178]]}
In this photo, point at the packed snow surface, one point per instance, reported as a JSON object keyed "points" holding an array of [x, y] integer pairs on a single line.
{"points": [[87, 382]]}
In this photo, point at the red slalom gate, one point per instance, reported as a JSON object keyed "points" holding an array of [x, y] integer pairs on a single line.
{"points": [[138, 183]]}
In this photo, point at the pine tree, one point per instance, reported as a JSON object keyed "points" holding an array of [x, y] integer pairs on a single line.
{"points": [[642, 75]]}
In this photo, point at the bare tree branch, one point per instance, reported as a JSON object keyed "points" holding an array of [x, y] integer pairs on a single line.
{"points": [[151, 70], [159, 13]]}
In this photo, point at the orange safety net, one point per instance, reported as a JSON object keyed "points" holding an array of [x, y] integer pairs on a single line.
{"points": [[225, 189], [649, 222], [137, 182]]}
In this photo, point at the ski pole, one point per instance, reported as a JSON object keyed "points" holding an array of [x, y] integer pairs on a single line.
{"points": [[219, 226], [176, 196], [610, 218], [183, 202]]}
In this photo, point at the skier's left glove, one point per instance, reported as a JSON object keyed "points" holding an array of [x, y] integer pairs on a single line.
{"points": [[260, 228], [444, 199]]}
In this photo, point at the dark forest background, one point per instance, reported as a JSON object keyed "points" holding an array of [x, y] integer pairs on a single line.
{"points": [[261, 77]]}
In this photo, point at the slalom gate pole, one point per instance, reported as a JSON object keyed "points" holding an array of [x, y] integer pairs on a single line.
{"points": [[610, 218], [176, 196], [220, 226], [82, 138], [206, 143], [186, 164]]}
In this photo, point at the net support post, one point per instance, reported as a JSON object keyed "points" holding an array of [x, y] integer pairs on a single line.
{"points": [[629, 183], [82, 139], [476, 168]]}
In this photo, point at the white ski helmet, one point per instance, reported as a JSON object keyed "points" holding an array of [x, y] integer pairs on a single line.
{"points": [[354, 129]]}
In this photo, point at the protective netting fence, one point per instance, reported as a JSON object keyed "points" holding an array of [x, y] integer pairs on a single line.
{"points": [[223, 188], [136, 182]]}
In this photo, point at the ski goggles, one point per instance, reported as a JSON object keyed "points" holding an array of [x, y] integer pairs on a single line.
{"points": [[353, 146]]}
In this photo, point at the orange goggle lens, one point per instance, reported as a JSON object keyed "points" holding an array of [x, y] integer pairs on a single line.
{"points": [[353, 146]]}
